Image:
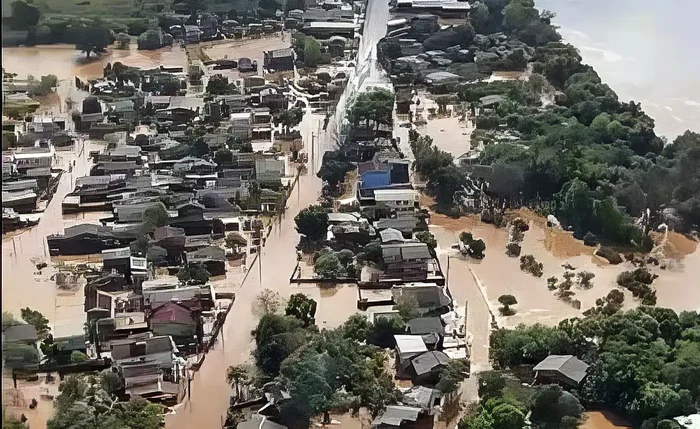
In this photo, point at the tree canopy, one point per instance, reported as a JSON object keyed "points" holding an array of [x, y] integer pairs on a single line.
{"points": [[312, 222]]}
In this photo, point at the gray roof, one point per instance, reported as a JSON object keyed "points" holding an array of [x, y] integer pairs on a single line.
{"points": [[426, 325], [429, 361], [390, 235], [404, 251], [281, 53], [86, 228], [420, 397], [394, 415], [210, 253], [258, 421], [20, 332], [569, 366]]}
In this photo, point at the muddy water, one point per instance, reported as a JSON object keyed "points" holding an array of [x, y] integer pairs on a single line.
{"points": [[22, 284], [65, 61], [500, 274]]}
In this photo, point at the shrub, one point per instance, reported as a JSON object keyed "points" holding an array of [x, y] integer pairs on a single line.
{"points": [[530, 265]]}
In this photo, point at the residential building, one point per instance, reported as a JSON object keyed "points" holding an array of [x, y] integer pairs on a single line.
{"points": [[177, 321], [562, 369], [34, 157], [406, 261], [401, 201], [279, 59]]}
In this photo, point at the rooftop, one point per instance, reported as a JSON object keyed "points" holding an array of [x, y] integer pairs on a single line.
{"points": [[395, 415], [410, 344], [569, 366]]}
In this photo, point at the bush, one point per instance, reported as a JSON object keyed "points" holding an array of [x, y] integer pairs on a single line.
{"points": [[530, 265], [78, 356], [639, 283], [507, 301]]}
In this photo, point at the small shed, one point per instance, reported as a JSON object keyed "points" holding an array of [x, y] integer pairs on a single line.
{"points": [[561, 369]]}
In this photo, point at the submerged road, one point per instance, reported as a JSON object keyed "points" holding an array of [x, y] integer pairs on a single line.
{"points": [[206, 408]]}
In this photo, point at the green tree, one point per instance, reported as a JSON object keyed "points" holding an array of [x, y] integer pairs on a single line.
{"points": [[477, 248], [554, 408], [407, 306], [219, 85], [507, 301], [312, 222], [372, 106], [312, 52], [123, 41], [480, 17], [193, 274], [236, 376], [444, 183], [334, 170], [428, 238], [155, 217], [37, 320], [302, 307], [92, 39], [289, 118], [276, 338], [507, 416], [328, 266], [384, 329], [78, 356], [223, 157], [452, 375]]}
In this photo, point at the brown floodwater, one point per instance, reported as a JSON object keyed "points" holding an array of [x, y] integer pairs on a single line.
{"points": [[65, 61]]}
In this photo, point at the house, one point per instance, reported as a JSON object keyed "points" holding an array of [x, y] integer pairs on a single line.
{"points": [[134, 212], [406, 261], [213, 258], [324, 30], [190, 217], [409, 346], [426, 367], [33, 157], [563, 369], [23, 201], [422, 397], [426, 325], [193, 297], [177, 321], [279, 59], [395, 416], [406, 224], [192, 34], [107, 168], [268, 170], [429, 296], [16, 342], [84, 239], [402, 201]]}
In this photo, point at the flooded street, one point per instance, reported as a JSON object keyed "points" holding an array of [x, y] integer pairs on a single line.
{"points": [[210, 393]]}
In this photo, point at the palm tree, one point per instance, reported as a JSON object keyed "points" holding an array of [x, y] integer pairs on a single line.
{"points": [[235, 376]]}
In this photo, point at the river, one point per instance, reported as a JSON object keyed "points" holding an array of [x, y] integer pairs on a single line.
{"points": [[646, 50]]}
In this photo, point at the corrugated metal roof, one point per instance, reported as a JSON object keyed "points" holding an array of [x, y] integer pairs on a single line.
{"points": [[569, 366]]}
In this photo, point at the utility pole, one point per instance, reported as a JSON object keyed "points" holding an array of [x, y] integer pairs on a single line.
{"points": [[260, 262], [447, 277]]}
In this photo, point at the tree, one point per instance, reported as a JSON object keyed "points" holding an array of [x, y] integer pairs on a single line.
{"points": [[289, 118], [427, 238], [491, 385], [384, 329], [454, 373], [461, 35], [507, 301], [333, 171], [554, 408], [23, 16], [268, 302], [312, 222], [37, 320], [312, 52], [302, 307], [219, 85], [223, 157], [236, 375], [507, 416], [444, 183], [78, 356], [407, 305], [479, 17], [276, 338], [193, 274], [372, 106], [477, 248], [92, 39], [328, 266], [123, 41], [155, 216]]}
